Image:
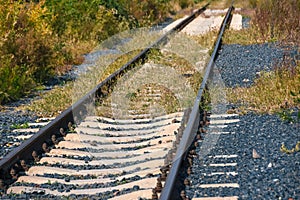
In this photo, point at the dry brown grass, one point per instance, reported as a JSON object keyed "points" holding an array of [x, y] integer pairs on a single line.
{"points": [[243, 37], [271, 92], [278, 20], [51, 103]]}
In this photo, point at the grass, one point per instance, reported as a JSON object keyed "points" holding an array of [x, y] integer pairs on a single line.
{"points": [[264, 96], [19, 126], [276, 91], [181, 65], [167, 62], [283, 27], [222, 4], [271, 92], [51, 103], [244, 37], [42, 39], [55, 101], [142, 103]]}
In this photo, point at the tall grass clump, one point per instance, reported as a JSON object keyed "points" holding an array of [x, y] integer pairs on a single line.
{"points": [[278, 20], [271, 21], [272, 92]]}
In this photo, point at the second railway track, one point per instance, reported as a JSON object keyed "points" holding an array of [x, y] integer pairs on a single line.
{"points": [[79, 155]]}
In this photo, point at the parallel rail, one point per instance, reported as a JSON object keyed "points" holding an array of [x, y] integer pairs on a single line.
{"points": [[77, 112], [169, 192]]}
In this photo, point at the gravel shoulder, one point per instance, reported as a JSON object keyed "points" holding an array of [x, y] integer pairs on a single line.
{"points": [[270, 174], [239, 65]]}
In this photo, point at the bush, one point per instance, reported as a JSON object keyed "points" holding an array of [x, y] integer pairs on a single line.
{"points": [[42, 38], [15, 81], [26, 55]]}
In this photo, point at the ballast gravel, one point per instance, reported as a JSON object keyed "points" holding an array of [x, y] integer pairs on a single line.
{"points": [[239, 65], [274, 175], [9, 119]]}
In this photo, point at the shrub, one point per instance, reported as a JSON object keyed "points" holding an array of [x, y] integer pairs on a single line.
{"points": [[15, 81], [42, 38]]}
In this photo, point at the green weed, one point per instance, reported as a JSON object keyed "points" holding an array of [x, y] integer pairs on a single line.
{"points": [[20, 126]]}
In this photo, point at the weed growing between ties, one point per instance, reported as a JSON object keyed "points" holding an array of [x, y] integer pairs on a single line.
{"points": [[20, 126], [273, 92], [151, 94], [181, 65]]}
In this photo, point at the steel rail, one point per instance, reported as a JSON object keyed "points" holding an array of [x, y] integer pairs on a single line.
{"points": [[78, 110], [168, 192]]}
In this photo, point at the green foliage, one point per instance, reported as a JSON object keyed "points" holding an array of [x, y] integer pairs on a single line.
{"points": [[15, 81], [79, 18], [42, 38], [26, 57], [19, 126]]}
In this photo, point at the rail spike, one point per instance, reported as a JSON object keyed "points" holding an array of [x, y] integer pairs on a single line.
{"points": [[24, 165], [2, 185], [13, 174], [35, 156], [45, 147]]}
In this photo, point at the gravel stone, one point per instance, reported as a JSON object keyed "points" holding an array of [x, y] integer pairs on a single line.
{"points": [[275, 175], [8, 118], [239, 65]]}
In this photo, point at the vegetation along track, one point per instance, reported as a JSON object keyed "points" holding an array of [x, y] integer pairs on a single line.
{"points": [[79, 154]]}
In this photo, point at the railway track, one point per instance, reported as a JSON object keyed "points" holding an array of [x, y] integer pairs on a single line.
{"points": [[85, 156]]}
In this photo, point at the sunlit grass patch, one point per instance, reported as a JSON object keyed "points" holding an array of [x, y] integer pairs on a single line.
{"points": [[118, 62], [208, 39], [271, 93], [244, 37], [51, 103]]}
